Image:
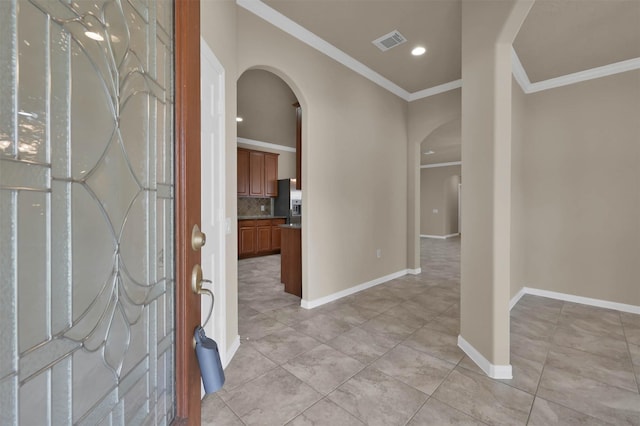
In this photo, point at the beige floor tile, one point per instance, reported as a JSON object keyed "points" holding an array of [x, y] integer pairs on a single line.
{"points": [[323, 327], [284, 345], [325, 413], [378, 399], [391, 327], [605, 402], [546, 413], [418, 369], [440, 345], [485, 399], [434, 412], [215, 412], [606, 370], [352, 313], [363, 345], [323, 368], [247, 364], [272, 399], [611, 347], [526, 373]]}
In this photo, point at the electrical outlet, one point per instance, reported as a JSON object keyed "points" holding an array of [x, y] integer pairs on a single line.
{"points": [[261, 208], [435, 211], [379, 253]]}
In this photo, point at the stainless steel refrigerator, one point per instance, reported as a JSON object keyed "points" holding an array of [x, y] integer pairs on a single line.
{"points": [[288, 203]]}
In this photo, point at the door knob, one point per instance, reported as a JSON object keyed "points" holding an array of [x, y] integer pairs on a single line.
{"points": [[198, 238]]}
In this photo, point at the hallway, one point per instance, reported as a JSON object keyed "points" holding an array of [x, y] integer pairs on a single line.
{"points": [[389, 356]]}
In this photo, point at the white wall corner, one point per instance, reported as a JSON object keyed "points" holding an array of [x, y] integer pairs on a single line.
{"points": [[310, 304], [503, 372], [435, 90]]}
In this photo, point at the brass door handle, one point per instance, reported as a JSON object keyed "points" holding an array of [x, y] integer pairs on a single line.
{"points": [[196, 287], [198, 238]]}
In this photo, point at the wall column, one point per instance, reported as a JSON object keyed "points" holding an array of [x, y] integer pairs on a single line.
{"points": [[488, 30]]}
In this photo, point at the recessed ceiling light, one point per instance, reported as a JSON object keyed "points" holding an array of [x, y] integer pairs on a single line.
{"points": [[417, 51], [94, 36], [238, 119], [429, 152]]}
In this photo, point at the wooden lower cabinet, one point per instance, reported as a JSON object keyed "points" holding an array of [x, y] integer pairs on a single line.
{"points": [[258, 237], [291, 260]]}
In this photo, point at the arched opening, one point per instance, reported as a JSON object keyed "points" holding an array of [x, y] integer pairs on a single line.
{"points": [[269, 120]]}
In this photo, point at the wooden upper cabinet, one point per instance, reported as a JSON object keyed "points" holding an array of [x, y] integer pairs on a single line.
{"points": [[270, 175], [243, 172], [257, 173]]}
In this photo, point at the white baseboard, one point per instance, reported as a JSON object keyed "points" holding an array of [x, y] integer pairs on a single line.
{"points": [[622, 307], [228, 355], [310, 304], [491, 370], [439, 237], [515, 299], [414, 271]]}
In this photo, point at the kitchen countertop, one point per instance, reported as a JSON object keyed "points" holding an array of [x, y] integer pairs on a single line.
{"points": [[292, 226], [260, 217]]}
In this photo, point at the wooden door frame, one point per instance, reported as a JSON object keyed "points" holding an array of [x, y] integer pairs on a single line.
{"points": [[187, 205]]}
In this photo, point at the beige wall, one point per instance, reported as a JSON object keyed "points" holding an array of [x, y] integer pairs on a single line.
{"points": [[518, 118], [439, 190], [286, 160], [265, 103], [354, 161], [218, 20], [581, 179]]}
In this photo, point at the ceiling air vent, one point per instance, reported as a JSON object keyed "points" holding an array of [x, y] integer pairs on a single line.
{"points": [[390, 40]]}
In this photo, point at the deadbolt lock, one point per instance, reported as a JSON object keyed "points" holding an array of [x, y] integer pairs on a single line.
{"points": [[198, 238]]}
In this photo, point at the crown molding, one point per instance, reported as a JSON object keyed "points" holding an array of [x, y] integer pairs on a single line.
{"points": [[277, 19], [267, 145], [421, 94], [577, 77], [519, 72], [431, 166]]}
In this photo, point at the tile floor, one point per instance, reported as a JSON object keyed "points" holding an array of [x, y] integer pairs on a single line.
{"points": [[389, 356]]}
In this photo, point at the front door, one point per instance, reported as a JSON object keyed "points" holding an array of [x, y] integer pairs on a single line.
{"points": [[90, 272]]}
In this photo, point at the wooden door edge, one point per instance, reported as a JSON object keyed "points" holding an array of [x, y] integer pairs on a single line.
{"points": [[187, 210]]}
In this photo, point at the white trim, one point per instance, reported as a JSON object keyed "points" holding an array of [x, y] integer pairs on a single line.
{"points": [[519, 72], [622, 307], [298, 31], [590, 74], [565, 80], [431, 166], [515, 299], [267, 145], [310, 304], [416, 271], [228, 354], [502, 372], [435, 90], [439, 237], [277, 19]]}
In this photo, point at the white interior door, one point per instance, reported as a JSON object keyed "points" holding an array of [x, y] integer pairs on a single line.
{"points": [[86, 212], [213, 193]]}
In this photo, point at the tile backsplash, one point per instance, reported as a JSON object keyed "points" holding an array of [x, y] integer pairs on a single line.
{"points": [[251, 206]]}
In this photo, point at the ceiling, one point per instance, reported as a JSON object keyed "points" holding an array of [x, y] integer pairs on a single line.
{"points": [[558, 37]]}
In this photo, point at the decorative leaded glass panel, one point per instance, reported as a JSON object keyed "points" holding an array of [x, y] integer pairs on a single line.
{"points": [[86, 212]]}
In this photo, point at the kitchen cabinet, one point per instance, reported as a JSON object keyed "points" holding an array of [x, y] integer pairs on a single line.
{"points": [[270, 175], [291, 259], [257, 173], [259, 237], [243, 172]]}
